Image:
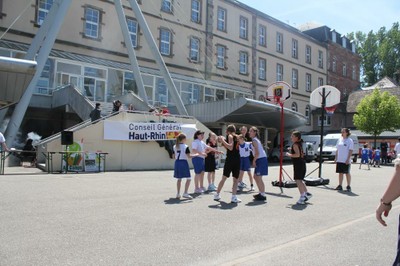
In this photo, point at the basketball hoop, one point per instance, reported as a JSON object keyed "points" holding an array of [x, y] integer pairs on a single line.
{"points": [[330, 110]]}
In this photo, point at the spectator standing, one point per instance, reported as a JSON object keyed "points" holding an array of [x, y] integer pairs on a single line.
{"points": [[95, 114], [344, 150], [384, 152], [397, 148], [3, 143]]}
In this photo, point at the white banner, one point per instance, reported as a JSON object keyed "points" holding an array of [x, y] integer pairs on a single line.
{"points": [[132, 131]]}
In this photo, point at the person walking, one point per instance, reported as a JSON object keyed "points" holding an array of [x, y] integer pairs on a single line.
{"points": [[299, 166], [397, 148], [181, 166], [344, 150], [232, 163], [260, 163], [95, 114], [385, 205]]}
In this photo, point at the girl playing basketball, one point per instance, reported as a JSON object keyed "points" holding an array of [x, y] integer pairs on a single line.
{"points": [[260, 163], [181, 167]]}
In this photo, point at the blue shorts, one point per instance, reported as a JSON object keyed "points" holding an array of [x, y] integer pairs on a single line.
{"points": [[198, 165], [244, 164], [261, 166], [364, 160], [181, 169]]}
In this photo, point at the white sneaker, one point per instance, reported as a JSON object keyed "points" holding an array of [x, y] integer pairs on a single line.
{"points": [[187, 196], [217, 197], [178, 196], [301, 201], [235, 199]]}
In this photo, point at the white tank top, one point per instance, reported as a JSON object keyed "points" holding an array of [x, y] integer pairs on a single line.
{"points": [[260, 148], [244, 149]]}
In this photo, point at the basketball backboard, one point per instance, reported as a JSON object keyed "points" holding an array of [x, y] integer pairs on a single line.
{"points": [[332, 96], [278, 92]]}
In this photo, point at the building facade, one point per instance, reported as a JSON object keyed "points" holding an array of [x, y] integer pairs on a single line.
{"points": [[214, 50]]}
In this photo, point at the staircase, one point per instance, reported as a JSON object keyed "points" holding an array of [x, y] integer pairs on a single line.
{"points": [[69, 95]]}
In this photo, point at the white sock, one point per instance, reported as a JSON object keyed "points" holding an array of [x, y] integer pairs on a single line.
{"points": [[262, 194]]}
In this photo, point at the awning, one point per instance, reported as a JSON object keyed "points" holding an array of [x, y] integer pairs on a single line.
{"points": [[245, 111]]}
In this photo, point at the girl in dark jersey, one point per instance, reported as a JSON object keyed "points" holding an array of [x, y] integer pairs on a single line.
{"points": [[210, 165], [232, 162], [299, 166]]}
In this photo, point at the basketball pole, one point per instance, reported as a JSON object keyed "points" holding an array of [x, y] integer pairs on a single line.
{"points": [[281, 148], [323, 103]]}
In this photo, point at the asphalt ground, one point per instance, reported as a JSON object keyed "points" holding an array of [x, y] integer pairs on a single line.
{"points": [[132, 218]]}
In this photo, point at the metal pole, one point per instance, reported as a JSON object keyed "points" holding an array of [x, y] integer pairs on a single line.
{"points": [[157, 56], [131, 51], [281, 146], [322, 131], [22, 106]]}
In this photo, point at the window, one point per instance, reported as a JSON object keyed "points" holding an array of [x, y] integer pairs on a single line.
{"points": [[92, 23], [43, 84], [295, 47], [43, 9], [243, 59], [220, 94], [209, 95], [320, 59], [133, 31], [161, 95], [295, 80], [166, 6], [353, 73], [194, 49], [196, 11], [294, 106], [262, 34], [221, 17], [308, 82], [344, 70], [308, 54], [327, 120], [334, 65], [279, 72], [243, 27], [320, 81], [308, 114], [279, 42], [262, 69], [221, 52], [165, 42]]}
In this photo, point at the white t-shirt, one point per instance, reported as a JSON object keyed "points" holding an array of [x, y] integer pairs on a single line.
{"points": [[261, 151], [343, 147], [200, 146], [181, 153], [397, 148], [245, 149], [2, 139]]}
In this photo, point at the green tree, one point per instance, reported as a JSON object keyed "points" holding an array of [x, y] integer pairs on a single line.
{"points": [[378, 112]]}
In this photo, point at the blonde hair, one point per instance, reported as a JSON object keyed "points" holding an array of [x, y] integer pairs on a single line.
{"points": [[256, 131]]}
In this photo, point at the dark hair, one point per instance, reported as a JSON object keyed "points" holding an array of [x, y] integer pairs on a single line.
{"points": [[346, 130], [231, 129], [365, 145], [97, 104], [197, 133]]}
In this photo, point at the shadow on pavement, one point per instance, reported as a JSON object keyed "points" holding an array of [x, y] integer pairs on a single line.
{"points": [[222, 205], [256, 203], [350, 194], [298, 207], [280, 195], [177, 201]]}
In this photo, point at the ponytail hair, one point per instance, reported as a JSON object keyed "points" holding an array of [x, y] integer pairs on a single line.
{"points": [[256, 131], [179, 140], [297, 134]]}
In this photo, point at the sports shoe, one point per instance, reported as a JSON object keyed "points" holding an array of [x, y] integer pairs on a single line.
{"points": [[217, 197], [308, 196], [178, 196], [198, 191], [339, 188], [242, 185], [187, 196], [301, 201], [348, 189], [211, 187], [235, 199], [259, 197], [251, 188]]}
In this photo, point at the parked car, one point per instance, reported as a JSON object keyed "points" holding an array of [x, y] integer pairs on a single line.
{"points": [[308, 149], [329, 146]]}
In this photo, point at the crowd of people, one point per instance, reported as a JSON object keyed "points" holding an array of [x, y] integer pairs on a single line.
{"points": [[243, 151]]}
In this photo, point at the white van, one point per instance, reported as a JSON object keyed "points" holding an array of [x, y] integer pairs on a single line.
{"points": [[315, 140], [329, 146]]}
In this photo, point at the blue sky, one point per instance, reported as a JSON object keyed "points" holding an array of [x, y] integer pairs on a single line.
{"points": [[344, 16]]}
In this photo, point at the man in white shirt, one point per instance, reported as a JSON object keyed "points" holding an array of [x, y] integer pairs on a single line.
{"points": [[3, 143], [397, 148], [344, 150]]}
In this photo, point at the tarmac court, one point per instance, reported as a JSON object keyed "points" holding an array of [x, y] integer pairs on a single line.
{"points": [[132, 218]]}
